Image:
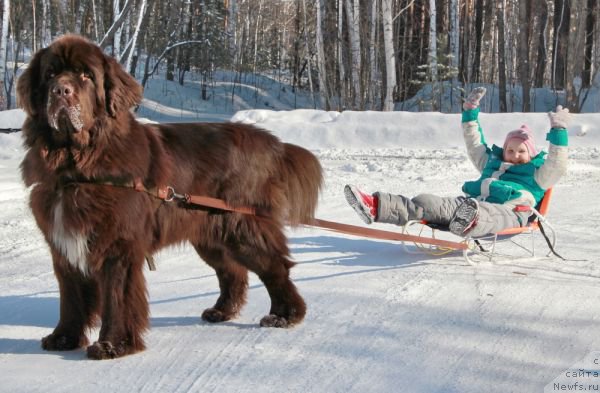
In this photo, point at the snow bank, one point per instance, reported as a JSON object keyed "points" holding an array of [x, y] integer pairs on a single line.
{"points": [[428, 130]]}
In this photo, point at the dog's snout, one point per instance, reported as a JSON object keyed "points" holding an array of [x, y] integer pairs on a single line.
{"points": [[62, 89]]}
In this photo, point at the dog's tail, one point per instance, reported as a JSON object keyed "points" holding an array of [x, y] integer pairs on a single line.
{"points": [[303, 177]]}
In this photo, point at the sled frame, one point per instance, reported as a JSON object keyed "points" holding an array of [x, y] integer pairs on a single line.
{"points": [[486, 246]]}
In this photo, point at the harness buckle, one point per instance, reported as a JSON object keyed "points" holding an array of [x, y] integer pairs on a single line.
{"points": [[173, 196]]}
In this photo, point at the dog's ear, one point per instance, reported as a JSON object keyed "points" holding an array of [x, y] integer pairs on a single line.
{"points": [[122, 90], [29, 87]]}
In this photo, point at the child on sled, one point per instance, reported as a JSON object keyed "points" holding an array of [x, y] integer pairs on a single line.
{"points": [[511, 176]]}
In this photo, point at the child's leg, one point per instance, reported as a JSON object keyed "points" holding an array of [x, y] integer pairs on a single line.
{"points": [[493, 218], [438, 210], [398, 209]]}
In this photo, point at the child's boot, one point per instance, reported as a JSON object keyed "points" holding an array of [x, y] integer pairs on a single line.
{"points": [[465, 218], [365, 205]]}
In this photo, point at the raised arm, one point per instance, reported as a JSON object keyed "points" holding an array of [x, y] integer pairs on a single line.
{"points": [[472, 132], [556, 162]]}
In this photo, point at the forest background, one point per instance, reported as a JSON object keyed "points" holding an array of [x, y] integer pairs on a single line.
{"points": [[348, 54]]}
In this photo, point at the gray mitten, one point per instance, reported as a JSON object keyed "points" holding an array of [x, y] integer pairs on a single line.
{"points": [[560, 118], [473, 98]]}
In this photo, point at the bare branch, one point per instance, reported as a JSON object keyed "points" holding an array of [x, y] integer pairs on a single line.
{"points": [[403, 9], [167, 50], [115, 26]]}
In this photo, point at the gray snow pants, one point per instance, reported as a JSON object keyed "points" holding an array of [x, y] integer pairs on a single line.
{"points": [[493, 217]]}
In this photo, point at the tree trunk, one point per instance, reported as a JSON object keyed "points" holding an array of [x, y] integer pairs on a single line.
{"points": [[232, 25], [523, 52], [561, 36], [80, 14], [589, 43], [34, 43], [390, 55], [96, 21], [542, 53], [433, 53], [374, 77], [308, 61], [340, 51], [476, 75], [136, 33], [501, 57], [116, 49], [353, 16], [321, 61], [46, 27], [296, 80], [454, 47], [465, 33], [3, 42], [575, 55]]}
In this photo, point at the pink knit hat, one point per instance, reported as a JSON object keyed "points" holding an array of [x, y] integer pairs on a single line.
{"points": [[525, 135]]}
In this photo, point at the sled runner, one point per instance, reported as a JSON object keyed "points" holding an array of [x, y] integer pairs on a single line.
{"points": [[486, 246]]}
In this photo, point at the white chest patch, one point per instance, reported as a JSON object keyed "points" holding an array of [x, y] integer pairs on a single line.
{"points": [[71, 246]]}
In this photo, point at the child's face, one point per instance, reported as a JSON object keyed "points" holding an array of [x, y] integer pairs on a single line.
{"points": [[516, 152]]}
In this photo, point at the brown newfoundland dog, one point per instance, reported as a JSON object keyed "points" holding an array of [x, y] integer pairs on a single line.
{"points": [[96, 178]]}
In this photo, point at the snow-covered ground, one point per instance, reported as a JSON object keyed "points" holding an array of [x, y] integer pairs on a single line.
{"points": [[379, 319]]}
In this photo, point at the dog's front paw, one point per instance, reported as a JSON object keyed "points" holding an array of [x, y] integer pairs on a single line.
{"points": [[62, 342], [101, 350]]}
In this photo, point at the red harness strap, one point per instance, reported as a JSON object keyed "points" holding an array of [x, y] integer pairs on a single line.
{"points": [[168, 194]]}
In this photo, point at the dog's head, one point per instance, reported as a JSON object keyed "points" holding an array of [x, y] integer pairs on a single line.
{"points": [[72, 84]]}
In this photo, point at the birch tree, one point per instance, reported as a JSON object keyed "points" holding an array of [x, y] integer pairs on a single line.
{"points": [[542, 49], [118, 32], [390, 55], [559, 51], [576, 53], [340, 51], [232, 24], [116, 25], [501, 57], [375, 76], [454, 43], [353, 16], [79, 15], [308, 62], [590, 26], [136, 32], [3, 42], [46, 27], [523, 52], [433, 49], [478, 38], [321, 61]]}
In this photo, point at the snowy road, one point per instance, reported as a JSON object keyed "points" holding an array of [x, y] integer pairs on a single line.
{"points": [[379, 319]]}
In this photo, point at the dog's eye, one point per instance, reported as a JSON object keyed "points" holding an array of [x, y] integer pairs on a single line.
{"points": [[50, 74], [87, 75]]}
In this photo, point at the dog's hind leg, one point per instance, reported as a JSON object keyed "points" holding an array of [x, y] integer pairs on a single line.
{"points": [[287, 306], [263, 250], [233, 283]]}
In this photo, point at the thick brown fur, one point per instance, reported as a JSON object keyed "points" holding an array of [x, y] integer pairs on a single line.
{"points": [[80, 134]]}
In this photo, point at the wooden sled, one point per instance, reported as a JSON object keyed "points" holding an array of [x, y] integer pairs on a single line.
{"points": [[486, 246]]}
